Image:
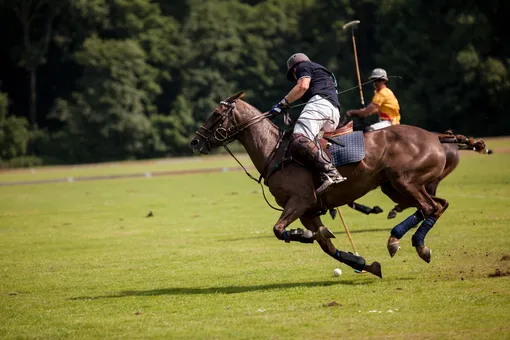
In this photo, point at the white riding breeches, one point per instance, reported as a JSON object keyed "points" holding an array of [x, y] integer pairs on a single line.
{"points": [[318, 115], [379, 125]]}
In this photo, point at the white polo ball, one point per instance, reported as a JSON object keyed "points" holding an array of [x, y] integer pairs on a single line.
{"points": [[337, 272]]}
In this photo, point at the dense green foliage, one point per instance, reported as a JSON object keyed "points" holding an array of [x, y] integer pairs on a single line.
{"points": [[13, 133], [118, 79]]}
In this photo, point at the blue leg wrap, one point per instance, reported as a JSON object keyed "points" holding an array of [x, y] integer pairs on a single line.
{"points": [[419, 235], [403, 227]]}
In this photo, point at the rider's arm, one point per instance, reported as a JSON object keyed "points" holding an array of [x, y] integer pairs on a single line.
{"points": [[365, 112], [299, 90]]}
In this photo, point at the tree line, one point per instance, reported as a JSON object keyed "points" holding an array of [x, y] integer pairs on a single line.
{"points": [[99, 80]]}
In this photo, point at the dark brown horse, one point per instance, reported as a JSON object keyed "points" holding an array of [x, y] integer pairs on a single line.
{"points": [[452, 160], [401, 159]]}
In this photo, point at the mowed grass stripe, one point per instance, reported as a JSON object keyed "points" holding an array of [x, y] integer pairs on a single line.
{"points": [[133, 168], [81, 260]]}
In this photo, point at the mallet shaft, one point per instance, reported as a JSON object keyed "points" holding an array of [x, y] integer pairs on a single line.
{"points": [[347, 231], [357, 71]]}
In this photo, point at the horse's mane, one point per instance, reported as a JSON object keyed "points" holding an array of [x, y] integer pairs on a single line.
{"points": [[245, 106]]}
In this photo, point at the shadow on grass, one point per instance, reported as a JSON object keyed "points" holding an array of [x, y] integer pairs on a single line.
{"points": [[227, 290], [358, 231]]}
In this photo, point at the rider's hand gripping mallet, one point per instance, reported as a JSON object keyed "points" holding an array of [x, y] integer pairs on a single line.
{"points": [[352, 25]]}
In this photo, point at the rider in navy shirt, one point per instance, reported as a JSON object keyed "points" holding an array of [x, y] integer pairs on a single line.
{"points": [[321, 82], [316, 86]]}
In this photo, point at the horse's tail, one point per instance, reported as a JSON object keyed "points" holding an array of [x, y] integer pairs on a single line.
{"points": [[464, 142]]}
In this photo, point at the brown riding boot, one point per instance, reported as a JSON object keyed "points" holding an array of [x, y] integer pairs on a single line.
{"points": [[308, 153]]}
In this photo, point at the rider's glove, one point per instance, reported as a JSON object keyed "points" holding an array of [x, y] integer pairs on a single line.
{"points": [[280, 107]]}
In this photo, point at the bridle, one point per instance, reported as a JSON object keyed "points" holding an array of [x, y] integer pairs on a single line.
{"points": [[225, 135]]}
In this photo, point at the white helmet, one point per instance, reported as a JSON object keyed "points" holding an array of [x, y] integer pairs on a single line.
{"points": [[379, 73]]}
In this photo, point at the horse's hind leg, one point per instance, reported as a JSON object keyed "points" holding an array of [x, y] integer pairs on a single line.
{"points": [[400, 229], [396, 209], [452, 160], [419, 236], [359, 207], [413, 196], [365, 209], [314, 224], [431, 189]]}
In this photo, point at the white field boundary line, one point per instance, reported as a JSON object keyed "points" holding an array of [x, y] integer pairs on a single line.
{"points": [[123, 176]]}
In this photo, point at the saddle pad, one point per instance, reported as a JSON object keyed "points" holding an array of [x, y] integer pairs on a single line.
{"points": [[352, 151]]}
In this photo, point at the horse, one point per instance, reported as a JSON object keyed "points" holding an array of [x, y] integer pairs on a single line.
{"points": [[401, 159], [452, 161]]}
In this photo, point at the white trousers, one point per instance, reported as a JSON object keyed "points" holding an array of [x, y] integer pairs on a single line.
{"points": [[318, 115], [379, 125]]}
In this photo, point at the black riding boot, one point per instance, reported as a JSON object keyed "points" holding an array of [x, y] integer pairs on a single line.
{"points": [[305, 151]]}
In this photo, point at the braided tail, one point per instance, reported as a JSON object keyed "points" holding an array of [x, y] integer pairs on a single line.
{"points": [[464, 142]]}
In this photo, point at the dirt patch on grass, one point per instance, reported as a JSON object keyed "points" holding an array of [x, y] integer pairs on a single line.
{"points": [[500, 273]]}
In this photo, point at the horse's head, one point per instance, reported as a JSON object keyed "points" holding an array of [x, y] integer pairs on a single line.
{"points": [[220, 128]]}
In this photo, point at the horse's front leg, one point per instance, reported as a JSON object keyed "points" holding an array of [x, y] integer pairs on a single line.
{"points": [[294, 209], [314, 225]]}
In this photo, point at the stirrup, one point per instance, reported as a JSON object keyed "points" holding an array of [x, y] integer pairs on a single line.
{"points": [[328, 183]]}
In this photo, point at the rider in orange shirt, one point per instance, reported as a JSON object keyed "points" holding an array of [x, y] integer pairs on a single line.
{"points": [[384, 103]]}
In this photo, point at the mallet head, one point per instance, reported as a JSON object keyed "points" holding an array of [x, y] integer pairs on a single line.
{"points": [[352, 24]]}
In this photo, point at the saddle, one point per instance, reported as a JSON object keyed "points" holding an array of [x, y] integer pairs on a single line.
{"points": [[343, 146], [327, 136], [347, 128]]}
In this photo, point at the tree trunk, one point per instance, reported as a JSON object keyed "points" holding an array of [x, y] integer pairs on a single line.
{"points": [[33, 98]]}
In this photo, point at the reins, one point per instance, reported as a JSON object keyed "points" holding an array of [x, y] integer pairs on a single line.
{"points": [[341, 92], [259, 181], [226, 136]]}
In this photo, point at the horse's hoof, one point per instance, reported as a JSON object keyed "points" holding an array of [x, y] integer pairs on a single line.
{"points": [[393, 245], [324, 234], [392, 214], [376, 210], [374, 268], [424, 253]]}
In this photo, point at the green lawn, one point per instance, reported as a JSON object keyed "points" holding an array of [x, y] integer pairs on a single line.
{"points": [[81, 260]]}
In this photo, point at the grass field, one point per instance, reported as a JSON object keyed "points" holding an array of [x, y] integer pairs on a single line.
{"points": [[83, 261]]}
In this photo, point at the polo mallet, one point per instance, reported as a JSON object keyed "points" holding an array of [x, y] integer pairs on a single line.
{"points": [[347, 231], [353, 25], [350, 239]]}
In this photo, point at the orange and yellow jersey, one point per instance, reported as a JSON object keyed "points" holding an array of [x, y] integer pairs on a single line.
{"points": [[387, 104]]}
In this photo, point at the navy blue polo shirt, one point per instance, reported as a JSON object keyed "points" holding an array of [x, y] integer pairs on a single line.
{"points": [[321, 82]]}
